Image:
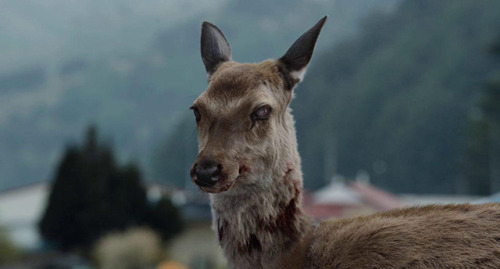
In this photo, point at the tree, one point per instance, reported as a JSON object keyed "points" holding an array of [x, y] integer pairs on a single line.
{"points": [[482, 165], [476, 164], [165, 218], [490, 105], [491, 99], [92, 195]]}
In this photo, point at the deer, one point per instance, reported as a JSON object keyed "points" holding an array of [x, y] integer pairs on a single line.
{"points": [[249, 165]]}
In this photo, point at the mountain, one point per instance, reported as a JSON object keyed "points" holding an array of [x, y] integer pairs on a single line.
{"points": [[130, 67], [394, 101]]}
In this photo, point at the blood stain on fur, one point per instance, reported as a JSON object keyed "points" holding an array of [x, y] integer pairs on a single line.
{"points": [[251, 245], [220, 229]]}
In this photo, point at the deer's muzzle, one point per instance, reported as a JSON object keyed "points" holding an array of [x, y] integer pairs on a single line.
{"points": [[209, 176], [206, 173]]}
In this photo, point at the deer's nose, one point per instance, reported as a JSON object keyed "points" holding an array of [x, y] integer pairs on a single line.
{"points": [[206, 173]]}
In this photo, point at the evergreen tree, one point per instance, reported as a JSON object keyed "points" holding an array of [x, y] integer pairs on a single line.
{"points": [[165, 218], [476, 166], [92, 195], [491, 107], [482, 164], [491, 99]]}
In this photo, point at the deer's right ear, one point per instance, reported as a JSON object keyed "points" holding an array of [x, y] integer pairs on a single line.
{"points": [[214, 47]]}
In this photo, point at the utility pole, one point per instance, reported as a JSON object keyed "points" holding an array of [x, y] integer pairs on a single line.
{"points": [[330, 158], [494, 158]]}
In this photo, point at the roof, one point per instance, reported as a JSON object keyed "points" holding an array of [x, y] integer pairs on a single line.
{"points": [[380, 199], [23, 187], [355, 193], [340, 199], [336, 193]]}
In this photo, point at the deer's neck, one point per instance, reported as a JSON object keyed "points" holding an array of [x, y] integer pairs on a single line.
{"points": [[261, 224]]}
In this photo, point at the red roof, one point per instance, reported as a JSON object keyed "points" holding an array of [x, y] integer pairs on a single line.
{"points": [[371, 199], [376, 197]]}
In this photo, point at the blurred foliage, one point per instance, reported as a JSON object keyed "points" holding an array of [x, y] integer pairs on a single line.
{"points": [[490, 102], [92, 195], [482, 166], [8, 251], [166, 219], [476, 166], [397, 96], [132, 249]]}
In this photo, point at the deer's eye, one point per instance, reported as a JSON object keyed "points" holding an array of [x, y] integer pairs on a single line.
{"points": [[261, 113], [197, 113]]}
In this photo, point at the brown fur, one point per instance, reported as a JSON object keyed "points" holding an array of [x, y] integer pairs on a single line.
{"points": [[256, 199], [452, 236]]}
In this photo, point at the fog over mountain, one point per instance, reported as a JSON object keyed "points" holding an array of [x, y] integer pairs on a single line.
{"points": [[131, 67]]}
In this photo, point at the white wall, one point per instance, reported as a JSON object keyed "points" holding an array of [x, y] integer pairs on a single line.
{"points": [[20, 211]]}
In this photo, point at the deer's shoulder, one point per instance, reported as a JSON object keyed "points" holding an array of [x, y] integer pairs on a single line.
{"points": [[450, 236]]}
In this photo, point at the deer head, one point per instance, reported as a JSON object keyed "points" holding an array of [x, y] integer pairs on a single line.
{"points": [[245, 129]]}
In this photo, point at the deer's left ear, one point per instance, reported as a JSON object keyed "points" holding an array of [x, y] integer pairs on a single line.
{"points": [[299, 54], [214, 47]]}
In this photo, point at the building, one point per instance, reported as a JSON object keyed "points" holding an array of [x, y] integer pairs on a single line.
{"points": [[340, 199], [20, 209]]}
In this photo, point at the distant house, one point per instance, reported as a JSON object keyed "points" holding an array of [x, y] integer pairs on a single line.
{"points": [[20, 210], [340, 199]]}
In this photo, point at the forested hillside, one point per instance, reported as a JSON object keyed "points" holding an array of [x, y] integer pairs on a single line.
{"points": [[395, 101]]}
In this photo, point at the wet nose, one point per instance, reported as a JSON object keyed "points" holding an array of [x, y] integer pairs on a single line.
{"points": [[206, 173]]}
